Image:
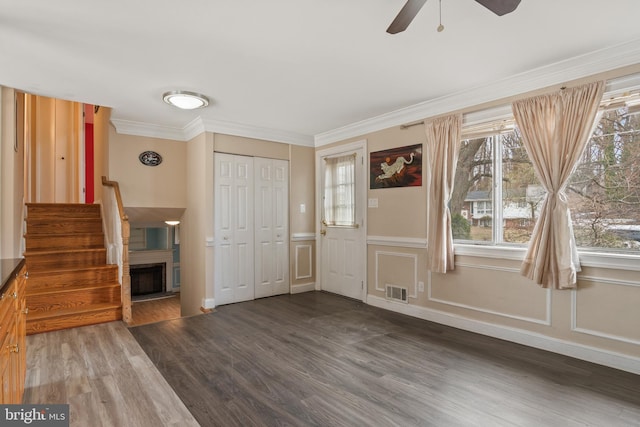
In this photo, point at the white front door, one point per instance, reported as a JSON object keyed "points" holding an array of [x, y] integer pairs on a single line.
{"points": [[234, 228], [342, 244], [272, 227]]}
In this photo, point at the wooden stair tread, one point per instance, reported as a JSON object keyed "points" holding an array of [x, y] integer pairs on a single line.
{"points": [[62, 289], [56, 205], [57, 235], [62, 251], [72, 311], [86, 268]]}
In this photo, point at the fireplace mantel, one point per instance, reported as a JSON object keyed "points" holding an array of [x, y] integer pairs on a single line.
{"points": [[150, 257]]}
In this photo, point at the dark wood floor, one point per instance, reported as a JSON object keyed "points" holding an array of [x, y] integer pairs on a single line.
{"points": [[319, 359]]}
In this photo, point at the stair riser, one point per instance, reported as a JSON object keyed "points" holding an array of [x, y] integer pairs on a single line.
{"points": [[61, 261], [57, 242], [41, 282], [64, 227], [78, 299], [72, 320], [48, 211]]}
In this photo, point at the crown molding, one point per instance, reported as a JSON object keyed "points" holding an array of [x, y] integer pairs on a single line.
{"points": [[599, 61], [248, 131], [127, 127], [200, 125], [558, 73]]}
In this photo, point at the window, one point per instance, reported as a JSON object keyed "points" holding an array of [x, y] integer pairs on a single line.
{"points": [[339, 191], [604, 189], [496, 195]]}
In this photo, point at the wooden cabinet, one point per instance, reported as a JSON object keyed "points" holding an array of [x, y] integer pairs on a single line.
{"points": [[13, 337]]}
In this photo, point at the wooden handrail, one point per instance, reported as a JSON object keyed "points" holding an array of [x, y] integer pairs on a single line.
{"points": [[116, 188], [126, 278]]}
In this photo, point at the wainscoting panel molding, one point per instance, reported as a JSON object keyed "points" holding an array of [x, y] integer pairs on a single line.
{"points": [[394, 241], [625, 303], [303, 262], [544, 320], [413, 286], [303, 237]]}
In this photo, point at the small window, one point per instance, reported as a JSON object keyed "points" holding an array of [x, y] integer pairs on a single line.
{"points": [[339, 191]]}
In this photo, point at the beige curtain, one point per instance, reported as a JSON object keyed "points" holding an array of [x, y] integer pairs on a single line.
{"points": [[443, 144], [555, 129]]}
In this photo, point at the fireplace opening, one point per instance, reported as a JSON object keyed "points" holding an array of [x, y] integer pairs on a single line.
{"points": [[148, 278]]}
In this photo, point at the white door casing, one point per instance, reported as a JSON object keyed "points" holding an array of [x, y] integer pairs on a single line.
{"points": [[234, 228], [342, 250], [271, 227]]}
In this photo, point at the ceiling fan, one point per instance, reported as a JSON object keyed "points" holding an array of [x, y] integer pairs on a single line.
{"points": [[412, 7]]}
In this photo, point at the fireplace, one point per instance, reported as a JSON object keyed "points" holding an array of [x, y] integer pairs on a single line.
{"points": [[148, 278]]}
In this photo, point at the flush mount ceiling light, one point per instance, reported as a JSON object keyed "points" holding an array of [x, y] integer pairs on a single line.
{"points": [[172, 222], [185, 100]]}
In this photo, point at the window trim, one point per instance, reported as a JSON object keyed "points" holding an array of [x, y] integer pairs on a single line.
{"points": [[481, 120], [611, 261]]}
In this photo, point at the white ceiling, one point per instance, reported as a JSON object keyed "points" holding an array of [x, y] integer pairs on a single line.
{"points": [[297, 67]]}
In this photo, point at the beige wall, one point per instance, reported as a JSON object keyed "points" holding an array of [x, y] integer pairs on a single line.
{"points": [[303, 225], [11, 179], [192, 187], [487, 294], [162, 186], [196, 259]]}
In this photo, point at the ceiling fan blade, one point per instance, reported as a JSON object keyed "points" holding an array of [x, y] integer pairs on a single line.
{"points": [[405, 16], [500, 7]]}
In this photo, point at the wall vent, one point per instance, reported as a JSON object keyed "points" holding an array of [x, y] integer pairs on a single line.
{"points": [[396, 293]]}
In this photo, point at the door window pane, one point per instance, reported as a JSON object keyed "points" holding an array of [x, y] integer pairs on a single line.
{"points": [[339, 191]]}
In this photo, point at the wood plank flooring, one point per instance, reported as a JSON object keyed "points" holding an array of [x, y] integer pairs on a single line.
{"points": [[104, 376], [315, 359], [144, 312]]}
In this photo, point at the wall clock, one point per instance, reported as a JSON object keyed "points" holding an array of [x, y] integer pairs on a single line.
{"points": [[150, 158]]}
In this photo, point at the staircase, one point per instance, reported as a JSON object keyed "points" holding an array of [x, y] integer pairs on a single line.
{"points": [[69, 282]]}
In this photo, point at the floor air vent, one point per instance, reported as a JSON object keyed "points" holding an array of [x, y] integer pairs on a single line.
{"points": [[396, 293]]}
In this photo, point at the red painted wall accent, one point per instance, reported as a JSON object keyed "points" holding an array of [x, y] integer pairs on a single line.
{"points": [[88, 163]]}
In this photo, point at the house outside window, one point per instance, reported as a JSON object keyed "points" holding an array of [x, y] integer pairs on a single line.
{"points": [[497, 198], [500, 191]]}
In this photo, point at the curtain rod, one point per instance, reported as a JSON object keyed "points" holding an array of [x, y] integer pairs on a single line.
{"points": [[411, 124]]}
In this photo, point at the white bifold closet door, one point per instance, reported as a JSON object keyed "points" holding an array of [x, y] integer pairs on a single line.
{"points": [[251, 228]]}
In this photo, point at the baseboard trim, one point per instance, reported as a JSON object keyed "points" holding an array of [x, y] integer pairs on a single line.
{"points": [[208, 303], [307, 287], [579, 351]]}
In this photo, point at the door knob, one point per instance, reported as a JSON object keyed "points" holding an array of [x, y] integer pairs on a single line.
{"points": [[323, 232]]}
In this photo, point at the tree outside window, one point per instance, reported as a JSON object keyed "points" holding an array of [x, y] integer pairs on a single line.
{"points": [[497, 197], [604, 190]]}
